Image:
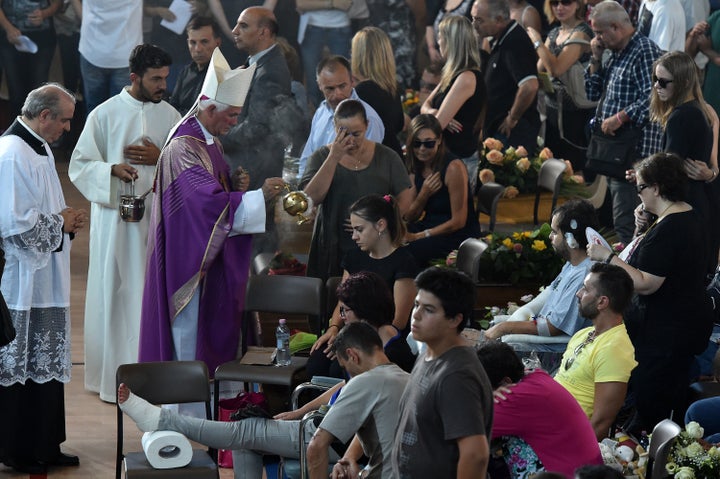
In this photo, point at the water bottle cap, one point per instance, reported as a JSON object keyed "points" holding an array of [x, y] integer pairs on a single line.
{"points": [[283, 321]]}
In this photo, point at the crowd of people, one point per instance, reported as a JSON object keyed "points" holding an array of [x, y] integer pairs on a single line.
{"points": [[202, 129]]}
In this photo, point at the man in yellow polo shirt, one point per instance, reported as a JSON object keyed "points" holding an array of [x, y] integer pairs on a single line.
{"points": [[598, 360]]}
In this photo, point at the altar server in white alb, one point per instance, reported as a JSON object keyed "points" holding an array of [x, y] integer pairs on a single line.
{"points": [[36, 227], [118, 147]]}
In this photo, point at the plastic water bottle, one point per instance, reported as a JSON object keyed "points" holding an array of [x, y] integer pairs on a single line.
{"points": [[282, 335]]}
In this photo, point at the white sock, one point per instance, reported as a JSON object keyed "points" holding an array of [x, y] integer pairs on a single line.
{"points": [[145, 415]]}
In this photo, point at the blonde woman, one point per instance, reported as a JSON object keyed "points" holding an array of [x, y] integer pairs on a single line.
{"points": [[566, 45], [458, 102], [373, 68], [677, 103]]}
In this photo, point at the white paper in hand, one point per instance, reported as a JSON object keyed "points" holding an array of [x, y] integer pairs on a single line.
{"points": [[182, 11], [26, 45], [593, 237]]}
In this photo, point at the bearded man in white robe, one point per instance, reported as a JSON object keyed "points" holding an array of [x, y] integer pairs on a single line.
{"points": [[119, 147], [36, 227]]}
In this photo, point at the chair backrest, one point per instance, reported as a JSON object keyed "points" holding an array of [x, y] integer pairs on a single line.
{"points": [[550, 174], [597, 191], [162, 382], [487, 199], [261, 263], [549, 178], [283, 294], [663, 432], [468, 257]]}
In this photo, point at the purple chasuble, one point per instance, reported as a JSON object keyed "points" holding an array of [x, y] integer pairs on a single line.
{"points": [[189, 248]]}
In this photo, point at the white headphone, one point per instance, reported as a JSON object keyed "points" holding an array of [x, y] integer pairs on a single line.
{"points": [[570, 238]]}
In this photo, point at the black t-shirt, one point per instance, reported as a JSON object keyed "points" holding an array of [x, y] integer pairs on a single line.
{"points": [[397, 265], [512, 60], [389, 109]]}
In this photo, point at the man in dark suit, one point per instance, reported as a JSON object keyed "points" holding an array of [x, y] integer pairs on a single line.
{"points": [[264, 127]]}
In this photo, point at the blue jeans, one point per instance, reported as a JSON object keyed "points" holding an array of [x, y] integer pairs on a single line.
{"points": [[99, 84], [624, 200], [316, 38]]}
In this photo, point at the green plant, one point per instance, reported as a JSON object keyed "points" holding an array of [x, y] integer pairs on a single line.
{"points": [[520, 257]]}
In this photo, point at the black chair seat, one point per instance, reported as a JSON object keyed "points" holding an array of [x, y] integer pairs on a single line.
{"points": [[288, 376], [201, 466]]}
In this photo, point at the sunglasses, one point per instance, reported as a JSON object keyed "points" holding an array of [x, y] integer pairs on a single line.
{"points": [[554, 3], [590, 338], [427, 143], [344, 310], [641, 187], [662, 82]]}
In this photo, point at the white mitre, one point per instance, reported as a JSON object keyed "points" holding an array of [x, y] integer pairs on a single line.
{"points": [[221, 84], [224, 84]]}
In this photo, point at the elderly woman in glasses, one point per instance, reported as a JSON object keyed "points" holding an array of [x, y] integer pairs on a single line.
{"points": [[670, 319], [442, 214], [677, 103], [566, 45]]}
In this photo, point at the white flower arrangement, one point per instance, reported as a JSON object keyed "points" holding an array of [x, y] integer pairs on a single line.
{"points": [[693, 458]]}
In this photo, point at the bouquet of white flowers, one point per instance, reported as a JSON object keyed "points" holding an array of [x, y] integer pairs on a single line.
{"points": [[693, 458]]}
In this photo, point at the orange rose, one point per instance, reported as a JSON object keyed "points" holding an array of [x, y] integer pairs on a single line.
{"points": [[521, 151], [523, 164], [493, 144], [545, 154], [494, 157], [486, 175], [510, 192]]}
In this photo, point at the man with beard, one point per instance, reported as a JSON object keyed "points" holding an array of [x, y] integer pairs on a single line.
{"points": [[546, 323], [596, 366], [119, 145]]}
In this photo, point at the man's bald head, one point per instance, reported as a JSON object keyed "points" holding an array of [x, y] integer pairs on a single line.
{"points": [[255, 30]]}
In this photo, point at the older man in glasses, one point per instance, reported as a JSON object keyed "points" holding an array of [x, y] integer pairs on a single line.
{"points": [[621, 81], [597, 363]]}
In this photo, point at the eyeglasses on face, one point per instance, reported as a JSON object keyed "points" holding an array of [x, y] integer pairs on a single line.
{"points": [[344, 310], [554, 3], [640, 187], [661, 82], [427, 143]]}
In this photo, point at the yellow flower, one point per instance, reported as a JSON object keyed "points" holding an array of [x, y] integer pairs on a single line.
{"points": [[493, 144], [517, 236], [507, 242], [523, 164], [527, 234], [521, 151], [511, 192], [494, 157], [486, 175], [545, 154], [539, 245]]}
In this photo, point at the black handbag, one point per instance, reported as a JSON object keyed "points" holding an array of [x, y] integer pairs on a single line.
{"points": [[7, 330], [613, 155]]}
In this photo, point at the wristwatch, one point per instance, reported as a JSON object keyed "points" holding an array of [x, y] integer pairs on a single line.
{"points": [[536, 44]]}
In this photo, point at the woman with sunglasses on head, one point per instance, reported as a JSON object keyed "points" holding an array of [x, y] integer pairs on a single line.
{"points": [[670, 318], [676, 103], [566, 45], [458, 102], [442, 215], [378, 230]]}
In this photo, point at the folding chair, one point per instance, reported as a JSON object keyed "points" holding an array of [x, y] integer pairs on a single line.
{"points": [[165, 382], [549, 178], [281, 295]]}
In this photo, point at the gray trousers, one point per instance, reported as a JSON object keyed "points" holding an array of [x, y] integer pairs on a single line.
{"points": [[249, 439]]}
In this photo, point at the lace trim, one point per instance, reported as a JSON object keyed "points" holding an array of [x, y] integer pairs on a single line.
{"points": [[41, 350], [33, 247]]}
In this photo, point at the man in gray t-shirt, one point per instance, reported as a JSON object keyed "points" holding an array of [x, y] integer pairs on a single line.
{"points": [[367, 406]]}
